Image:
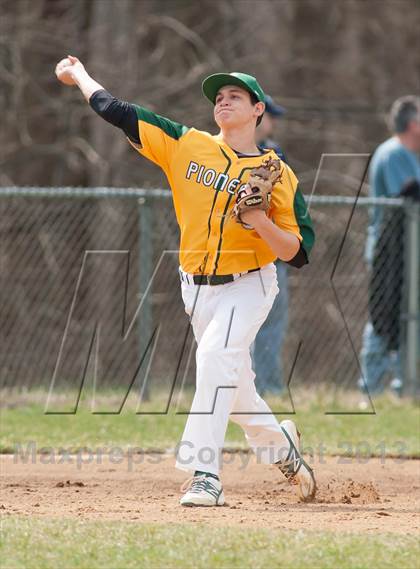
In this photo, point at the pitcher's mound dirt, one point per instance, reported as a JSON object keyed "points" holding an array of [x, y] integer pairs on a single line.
{"points": [[373, 496]]}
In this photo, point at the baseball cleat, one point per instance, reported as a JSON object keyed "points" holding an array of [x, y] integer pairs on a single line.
{"points": [[203, 491], [295, 469]]}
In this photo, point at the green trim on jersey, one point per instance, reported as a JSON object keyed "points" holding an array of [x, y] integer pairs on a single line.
{"points": [[171, 128], [304, 221]]}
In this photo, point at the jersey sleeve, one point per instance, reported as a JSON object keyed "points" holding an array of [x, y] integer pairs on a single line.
{"points": [[118, 113], [290, 213], [159, 137]]}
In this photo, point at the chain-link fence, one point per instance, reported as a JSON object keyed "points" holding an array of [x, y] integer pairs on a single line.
{"points": [[90, 289]]}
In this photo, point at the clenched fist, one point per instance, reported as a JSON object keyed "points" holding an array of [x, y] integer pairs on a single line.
{"points": [[67, 68]]}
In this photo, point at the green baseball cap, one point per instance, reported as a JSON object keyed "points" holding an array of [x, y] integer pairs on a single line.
{"points": [[213, 83]]}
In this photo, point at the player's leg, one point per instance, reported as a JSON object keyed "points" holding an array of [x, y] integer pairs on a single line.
{"points": [[238, 310], [223, 344], [204, 488], [271, 441], [261, 428]]}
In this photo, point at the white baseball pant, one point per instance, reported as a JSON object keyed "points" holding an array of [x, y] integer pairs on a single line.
{"points": [[225, 320]]}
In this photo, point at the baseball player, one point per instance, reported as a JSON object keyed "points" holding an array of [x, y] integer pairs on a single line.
{"points": [[238, 209]]}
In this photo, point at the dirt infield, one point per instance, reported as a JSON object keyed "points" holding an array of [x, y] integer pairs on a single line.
{"points": [[374, 496]]}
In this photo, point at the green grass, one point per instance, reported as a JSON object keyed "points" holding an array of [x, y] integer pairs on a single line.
{"points": [[392, 430], [38, 543]]}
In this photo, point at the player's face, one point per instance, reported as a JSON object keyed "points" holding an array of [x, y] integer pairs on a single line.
{"points": [[233, 108]]}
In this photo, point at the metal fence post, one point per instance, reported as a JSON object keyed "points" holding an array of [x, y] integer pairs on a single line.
{"points": [[145, 208], [412, 278]]}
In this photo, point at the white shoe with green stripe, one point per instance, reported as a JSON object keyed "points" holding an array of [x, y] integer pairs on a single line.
{"points": [[295, 469], [203, 491]]}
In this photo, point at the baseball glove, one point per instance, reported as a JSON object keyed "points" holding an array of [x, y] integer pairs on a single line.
{"points": [[256, 194]]}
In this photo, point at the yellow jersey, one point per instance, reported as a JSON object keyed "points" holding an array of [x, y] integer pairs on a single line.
{"points": [[204, 174]]}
